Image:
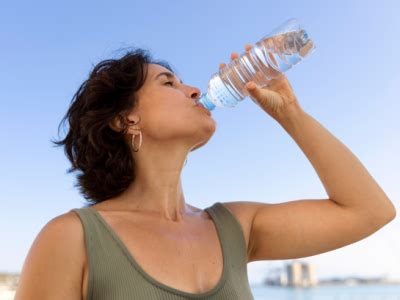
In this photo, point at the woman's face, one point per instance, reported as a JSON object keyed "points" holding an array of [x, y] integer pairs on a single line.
{"points": [[168, 110]]}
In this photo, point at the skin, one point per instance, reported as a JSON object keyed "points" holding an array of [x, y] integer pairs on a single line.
{"points": [[171, 127]]}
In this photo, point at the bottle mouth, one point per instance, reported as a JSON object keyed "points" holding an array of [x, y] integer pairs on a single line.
{"points": [[197, 101], [205, 102]]}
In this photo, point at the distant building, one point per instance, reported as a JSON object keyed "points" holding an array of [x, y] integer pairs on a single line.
{"points": [[295, 274], [301, 274]]}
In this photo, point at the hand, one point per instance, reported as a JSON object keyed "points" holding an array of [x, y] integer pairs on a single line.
{"points": [[277, 98]]}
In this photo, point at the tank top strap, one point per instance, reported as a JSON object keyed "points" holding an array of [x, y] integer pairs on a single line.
{"points": [[98, 241], [232, 236], [103, 254], [93, 231]]}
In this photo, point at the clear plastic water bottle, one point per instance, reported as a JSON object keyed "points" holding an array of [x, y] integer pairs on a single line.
{"points": [[274, 54]]}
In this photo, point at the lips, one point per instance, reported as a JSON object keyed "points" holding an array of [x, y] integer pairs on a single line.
{"points": [[203, 109]]}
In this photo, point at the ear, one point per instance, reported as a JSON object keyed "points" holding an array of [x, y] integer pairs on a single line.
{"points": [[131, 121], [116, 123]]}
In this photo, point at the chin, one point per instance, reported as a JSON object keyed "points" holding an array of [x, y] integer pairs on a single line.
{"points": [[197, 146], [204, 141]]}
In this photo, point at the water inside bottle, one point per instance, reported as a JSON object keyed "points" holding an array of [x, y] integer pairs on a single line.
{"points": [[266, 60]]}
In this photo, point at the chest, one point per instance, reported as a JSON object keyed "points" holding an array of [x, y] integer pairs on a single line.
{"points": [[189, 260]]}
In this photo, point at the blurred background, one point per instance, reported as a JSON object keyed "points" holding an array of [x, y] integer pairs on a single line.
{"points": [[350, 84]]}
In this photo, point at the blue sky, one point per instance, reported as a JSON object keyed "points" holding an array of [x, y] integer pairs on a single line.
{"points": [[350, 84]]}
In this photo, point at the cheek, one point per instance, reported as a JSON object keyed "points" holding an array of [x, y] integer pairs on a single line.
{"points": [[166, 122], [167, 117]]}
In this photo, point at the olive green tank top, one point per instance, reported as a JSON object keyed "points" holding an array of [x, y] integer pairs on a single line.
{"points": [[114, 274]]}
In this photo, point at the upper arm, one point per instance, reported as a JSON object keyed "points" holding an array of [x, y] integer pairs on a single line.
{"points": [[54, 264], [304, 228]]}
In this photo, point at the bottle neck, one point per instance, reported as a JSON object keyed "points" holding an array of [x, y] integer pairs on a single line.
{"points": [[206, 102]]}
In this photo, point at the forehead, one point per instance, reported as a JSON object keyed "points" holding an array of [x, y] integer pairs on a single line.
{"points": [[154, 70]]}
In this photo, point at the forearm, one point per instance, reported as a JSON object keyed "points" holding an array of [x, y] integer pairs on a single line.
{"points": [[346, 180]]}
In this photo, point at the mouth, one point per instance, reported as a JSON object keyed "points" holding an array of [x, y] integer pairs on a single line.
{"points": [[203, 109]]}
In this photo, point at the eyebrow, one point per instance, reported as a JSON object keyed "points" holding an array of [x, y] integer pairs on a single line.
{"points": [[168, 74]]}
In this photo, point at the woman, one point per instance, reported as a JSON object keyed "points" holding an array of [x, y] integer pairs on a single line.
{"points": [[132, 125]]}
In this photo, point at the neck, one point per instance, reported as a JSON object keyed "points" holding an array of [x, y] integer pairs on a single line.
{"points": [[157, 186]]}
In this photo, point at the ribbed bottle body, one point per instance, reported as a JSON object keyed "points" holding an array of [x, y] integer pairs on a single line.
{"points": [[274, 54]]}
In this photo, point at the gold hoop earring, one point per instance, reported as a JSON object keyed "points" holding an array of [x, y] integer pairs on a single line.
{"points": [[133, 141], [133, 138]]}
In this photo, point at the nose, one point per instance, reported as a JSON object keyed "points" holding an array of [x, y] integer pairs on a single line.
{"points": [[195, 93]]}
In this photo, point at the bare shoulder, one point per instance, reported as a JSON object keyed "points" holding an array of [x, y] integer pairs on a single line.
{"points": [[53, 267], [244, 212]]}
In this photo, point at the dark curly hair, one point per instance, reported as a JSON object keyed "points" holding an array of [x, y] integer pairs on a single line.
{"points": [[100, 154]]}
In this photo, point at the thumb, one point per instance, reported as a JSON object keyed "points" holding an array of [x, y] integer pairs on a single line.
{"points": [[253, 90], [266, 98]]}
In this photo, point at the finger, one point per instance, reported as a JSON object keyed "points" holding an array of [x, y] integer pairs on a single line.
{"points": [[234, 55], [221, 65], [247, 47], [273, 99]]}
